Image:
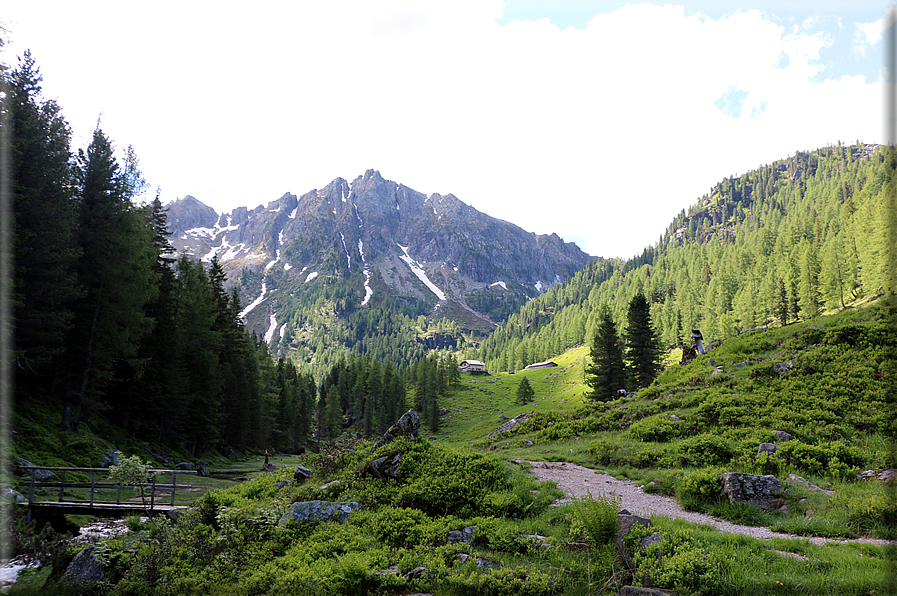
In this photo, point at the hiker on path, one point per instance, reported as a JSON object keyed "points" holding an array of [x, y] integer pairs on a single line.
{"points": [[266, 457]]}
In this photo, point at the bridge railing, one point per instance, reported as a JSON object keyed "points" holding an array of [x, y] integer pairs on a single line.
{"points": [[94, 484]]}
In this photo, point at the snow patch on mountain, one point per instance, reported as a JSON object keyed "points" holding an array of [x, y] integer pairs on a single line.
{"points": [[311, 276], [499, 283], [272, 327], [256, 302], [417, 270]]}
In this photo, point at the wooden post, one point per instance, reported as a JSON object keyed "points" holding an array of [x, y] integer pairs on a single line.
{"points": [[62, 488], [31, 493], [153, 493], [174, 485], [93, 482]]}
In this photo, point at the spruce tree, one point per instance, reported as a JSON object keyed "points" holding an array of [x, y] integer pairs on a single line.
{"points": [[45, 252], [606, 374], [525, 392], [643, 350]]}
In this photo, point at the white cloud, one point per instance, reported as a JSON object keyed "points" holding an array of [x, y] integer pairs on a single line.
{"points": [[604, 132]]}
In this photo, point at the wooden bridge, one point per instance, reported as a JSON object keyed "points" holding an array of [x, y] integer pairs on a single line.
{"points": [[92, 504]]}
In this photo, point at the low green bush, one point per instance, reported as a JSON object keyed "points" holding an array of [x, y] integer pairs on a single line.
{"points": [[655, 428], [704, 450], [679, 562], [697, 489]]}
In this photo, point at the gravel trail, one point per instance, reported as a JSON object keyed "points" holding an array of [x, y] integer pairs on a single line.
{"points": [[577, 481]]}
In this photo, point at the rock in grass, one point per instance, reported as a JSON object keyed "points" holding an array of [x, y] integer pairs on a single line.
{"points": [[85, 568], [313, 511], [763, 492]]}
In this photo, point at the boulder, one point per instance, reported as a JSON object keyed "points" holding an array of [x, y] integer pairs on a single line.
{"points": [[768, 449], [795, 479], [39, 475], [384, 467], [282, 484], [185, 465], [528, 443], [782, 436], [443, 411], [783, 367], [406, 427], [465, 535], [110, 458], [301, 474], [201, 469], [763, 492], [8, 493], [85, 567], [510, 424], [417, 572], [313, 511], [625, 521]]}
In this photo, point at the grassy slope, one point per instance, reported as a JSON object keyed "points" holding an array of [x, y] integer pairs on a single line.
{"points": [[629, 438]]}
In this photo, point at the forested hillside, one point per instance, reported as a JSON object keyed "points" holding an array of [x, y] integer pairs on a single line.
{"points": [[784, 242], [107, 322]]}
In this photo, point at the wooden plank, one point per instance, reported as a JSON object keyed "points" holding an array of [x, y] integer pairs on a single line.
{"points": [[99, 509]]}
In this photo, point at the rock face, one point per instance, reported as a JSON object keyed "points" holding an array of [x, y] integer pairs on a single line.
{"points": [[764, 492], [85, 567], [312, 511], [406, 427], [385, 237]]}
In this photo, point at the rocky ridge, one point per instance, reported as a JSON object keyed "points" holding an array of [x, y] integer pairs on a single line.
{"points": [[378, 236]]}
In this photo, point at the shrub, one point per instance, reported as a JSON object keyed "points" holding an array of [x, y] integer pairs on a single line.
{"points": [[680, 562], [705, 450], [695, 490], [655, 428]]}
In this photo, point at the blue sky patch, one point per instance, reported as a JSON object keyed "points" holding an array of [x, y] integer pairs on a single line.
{"points": [[731, 101]]}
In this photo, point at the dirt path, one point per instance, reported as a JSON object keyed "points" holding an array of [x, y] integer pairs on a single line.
{"points": [[577, 481]]}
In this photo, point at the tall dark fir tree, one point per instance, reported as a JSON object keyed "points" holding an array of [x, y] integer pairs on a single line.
{"points": [[643, 352], [606, 374]]}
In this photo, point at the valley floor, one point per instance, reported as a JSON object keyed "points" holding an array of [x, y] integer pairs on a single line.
{"points": [[578, 481]]}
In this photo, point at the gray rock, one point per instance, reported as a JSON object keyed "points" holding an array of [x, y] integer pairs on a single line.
{"points": [[652, 539], [624, 525], [388, 466], [301, 474], [783, 367], [510, 424], [406, 427], [443, 411], [312, 511], [417, 572], [465, 535], [675, 418], [39, 475], [85, 567], [528, 443], [782, 436], [282, 484], [768, 449], [110, 458], [795, 479], [185, 465], [763, 492], [7, 493]]}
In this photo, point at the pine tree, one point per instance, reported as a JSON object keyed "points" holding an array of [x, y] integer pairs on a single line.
{"points": [[643, 351], [116, 272], [607, 373], [45, 251], [525, 392]]}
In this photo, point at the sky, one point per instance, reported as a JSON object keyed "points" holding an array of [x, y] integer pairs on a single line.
{"points": [[597, 120]]}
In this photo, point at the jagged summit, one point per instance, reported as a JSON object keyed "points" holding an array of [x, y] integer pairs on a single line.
{"points": [[379, 236]]}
